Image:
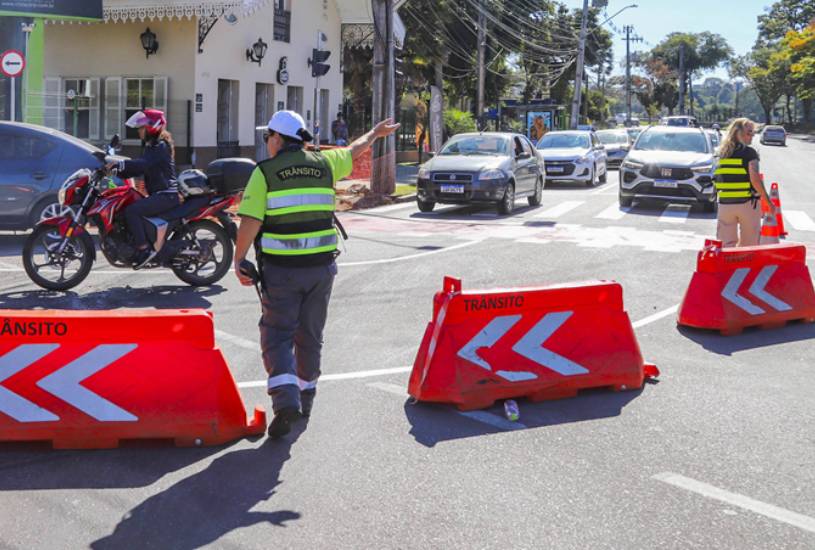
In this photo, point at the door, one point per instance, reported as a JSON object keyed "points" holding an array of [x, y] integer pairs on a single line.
{"points": [[27, 163], [264, 109], [523, 163], [227, 117], [534, 167], [599, 154]]}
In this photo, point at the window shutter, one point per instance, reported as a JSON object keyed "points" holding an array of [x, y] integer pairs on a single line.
{"points": [[113, 106], [94, 130], [52, 103]]}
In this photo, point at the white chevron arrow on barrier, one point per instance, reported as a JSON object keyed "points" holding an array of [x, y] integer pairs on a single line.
{"points": [[529, 346], [757, 289], [64, 383]]}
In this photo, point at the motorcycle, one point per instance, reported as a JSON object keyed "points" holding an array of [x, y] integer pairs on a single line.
{"points": [[195, 240]]}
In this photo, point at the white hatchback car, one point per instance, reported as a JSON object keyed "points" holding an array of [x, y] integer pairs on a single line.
{"points": [[574, 155]]}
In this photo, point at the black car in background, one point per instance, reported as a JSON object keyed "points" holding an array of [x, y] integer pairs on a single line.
{"points": [[34, 162]]}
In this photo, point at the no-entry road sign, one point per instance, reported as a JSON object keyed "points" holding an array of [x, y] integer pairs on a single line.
{"points": [[12, 63]]}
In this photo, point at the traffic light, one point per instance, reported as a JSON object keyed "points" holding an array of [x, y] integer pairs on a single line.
{"points": [[318, 67]]}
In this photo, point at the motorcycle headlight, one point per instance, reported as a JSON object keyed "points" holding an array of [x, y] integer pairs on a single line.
{"points": [[493, 174], [61, 195], [632, 165], [702, 169]]}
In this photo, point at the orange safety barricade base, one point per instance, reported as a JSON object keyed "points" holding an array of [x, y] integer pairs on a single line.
{"points": [[93, 379], [539, 343], [760, 286]]}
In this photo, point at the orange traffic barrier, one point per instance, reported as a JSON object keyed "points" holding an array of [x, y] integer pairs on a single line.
{"points": [[736, 288], [770, 233], [540, 343], [92, 379], [775, 198]]}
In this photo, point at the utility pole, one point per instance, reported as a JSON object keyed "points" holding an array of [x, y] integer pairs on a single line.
{"points": [[578, 77], [383, 173], [482, 46], [682, 78], [628, 39]]}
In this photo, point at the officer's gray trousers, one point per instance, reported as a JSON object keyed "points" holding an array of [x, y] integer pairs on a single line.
{"points": [[295, 306]]}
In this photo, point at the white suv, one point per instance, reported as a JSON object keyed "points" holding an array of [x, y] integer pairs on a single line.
{"points": [[574, 155]]}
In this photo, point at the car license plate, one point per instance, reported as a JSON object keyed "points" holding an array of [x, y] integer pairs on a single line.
{"points": [[452, 189], [555, 169], [670, 184]]}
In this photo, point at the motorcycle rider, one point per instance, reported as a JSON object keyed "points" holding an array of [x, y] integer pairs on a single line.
{"points": [[157, 167]]}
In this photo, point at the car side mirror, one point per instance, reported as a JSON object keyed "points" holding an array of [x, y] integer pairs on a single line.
{"points": [[524, 156]]}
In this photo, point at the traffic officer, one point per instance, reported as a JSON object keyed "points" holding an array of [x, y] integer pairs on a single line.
{"points": [[287, 211], [739, 187]]}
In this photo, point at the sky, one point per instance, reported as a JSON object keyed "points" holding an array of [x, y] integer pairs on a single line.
{"points": [[653, 20]]}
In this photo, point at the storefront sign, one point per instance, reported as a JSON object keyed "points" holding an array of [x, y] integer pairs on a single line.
{"points": [[52, 9]]}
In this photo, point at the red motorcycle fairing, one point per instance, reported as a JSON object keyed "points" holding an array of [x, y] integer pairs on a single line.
{"points": [[63, 223], [212, 210], [112, 201]]}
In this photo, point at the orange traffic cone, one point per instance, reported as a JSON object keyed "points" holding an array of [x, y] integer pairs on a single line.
{"points": [[776, 200], [769, 230]]}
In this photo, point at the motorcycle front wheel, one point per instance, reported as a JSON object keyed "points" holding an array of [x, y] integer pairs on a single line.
{"points": [[54, 270], [206, 255]]}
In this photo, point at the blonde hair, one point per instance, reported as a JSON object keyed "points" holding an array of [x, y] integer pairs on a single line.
{"points": [[731, 140]]}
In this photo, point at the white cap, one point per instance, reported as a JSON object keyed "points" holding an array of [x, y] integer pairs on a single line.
{"points": [[290, 124]]}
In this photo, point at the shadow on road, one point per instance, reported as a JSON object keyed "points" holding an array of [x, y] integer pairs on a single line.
{"points": [[431, 423], [205, 506], [657, 210], [749, 339], [11, 244], [159, 297]]}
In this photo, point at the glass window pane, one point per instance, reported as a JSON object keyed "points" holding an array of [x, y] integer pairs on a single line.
{"points": [[147, 93], [133, 95]]}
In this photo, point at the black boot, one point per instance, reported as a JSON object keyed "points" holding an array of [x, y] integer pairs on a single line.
{"points": [[307, 402], [282, 421]]}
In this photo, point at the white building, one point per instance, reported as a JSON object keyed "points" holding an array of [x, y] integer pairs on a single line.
{"points": [[96, 75]]}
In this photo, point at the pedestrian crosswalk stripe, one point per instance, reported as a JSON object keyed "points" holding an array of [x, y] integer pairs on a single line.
{"points": [[614, 212], [675, 213], [560, 209], [799, 219]]}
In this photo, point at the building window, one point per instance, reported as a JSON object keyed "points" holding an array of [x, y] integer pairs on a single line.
{"points": [[228, 117], [282, 20], [294, 99], [80, 103], [143, 93]]}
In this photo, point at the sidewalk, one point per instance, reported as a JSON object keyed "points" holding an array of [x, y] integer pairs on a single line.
{"points": [[355, 194]]}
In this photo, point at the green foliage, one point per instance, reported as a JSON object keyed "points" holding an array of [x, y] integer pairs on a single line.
{"points": [[458, 122], [784, 16]]}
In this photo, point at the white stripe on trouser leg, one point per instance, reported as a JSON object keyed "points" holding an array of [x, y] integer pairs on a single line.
{"points": [[290, 380]]}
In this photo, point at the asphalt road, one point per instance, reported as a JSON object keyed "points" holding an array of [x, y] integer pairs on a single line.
{"points": [[719, 454]]}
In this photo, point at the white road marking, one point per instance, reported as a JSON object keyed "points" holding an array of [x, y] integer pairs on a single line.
{"points": [[559, 210], [799, 219], [389, 208], [795, 519], [614, 212], [411, 256], [338, 376], [656, 317], [675, 213], [484, 417], [238, 341], [606, 189]]}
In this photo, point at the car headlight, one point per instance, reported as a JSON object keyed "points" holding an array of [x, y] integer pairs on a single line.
{"points": [[493, 174], [632, 165], [702, 169], [424, 173], [583, 159]]}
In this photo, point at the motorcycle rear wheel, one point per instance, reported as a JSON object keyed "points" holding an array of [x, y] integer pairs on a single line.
{"points": [[44, 241], [214, 262]]}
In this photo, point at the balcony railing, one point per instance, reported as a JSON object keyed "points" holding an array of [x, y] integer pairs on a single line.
{"points": [[282, 25]]}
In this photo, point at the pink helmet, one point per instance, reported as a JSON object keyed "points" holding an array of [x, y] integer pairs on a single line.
{"points": [[151, 119]]}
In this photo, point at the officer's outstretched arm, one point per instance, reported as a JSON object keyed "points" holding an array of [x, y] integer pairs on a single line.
{"points": [[383, 129]]}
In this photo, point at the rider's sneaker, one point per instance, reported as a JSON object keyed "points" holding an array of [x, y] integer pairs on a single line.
{"points": [[143, 258], [281, 424]]}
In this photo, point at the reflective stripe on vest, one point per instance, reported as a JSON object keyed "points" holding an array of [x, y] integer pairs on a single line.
{"points": [[733, 181], [300, 244], [293, 201]]}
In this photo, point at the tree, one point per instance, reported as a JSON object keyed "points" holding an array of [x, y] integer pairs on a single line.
{"points": [[766, 79], [782, 17], [799, 49]]}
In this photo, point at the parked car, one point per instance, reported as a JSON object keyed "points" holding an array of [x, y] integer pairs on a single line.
{"points": [[672, 164], [617, 144], [486, 168], [34, 162], [774, 134], [683, 120], [573, 155]]}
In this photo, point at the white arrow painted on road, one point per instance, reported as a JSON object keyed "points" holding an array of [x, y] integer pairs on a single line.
{"points": [[18, 359], [731, 291], [65, 383], [531, 345]]}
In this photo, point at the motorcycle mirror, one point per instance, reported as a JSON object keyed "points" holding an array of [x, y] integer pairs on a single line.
{"points": [[115, 141]]}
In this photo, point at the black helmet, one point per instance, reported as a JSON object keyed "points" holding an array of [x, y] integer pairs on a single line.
{"points": [[194, 183]]}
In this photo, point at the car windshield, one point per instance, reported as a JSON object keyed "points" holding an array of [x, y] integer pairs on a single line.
{"points": [[686, 142], [678, 122], [563, 141], [611, 138], [476, 145]]}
